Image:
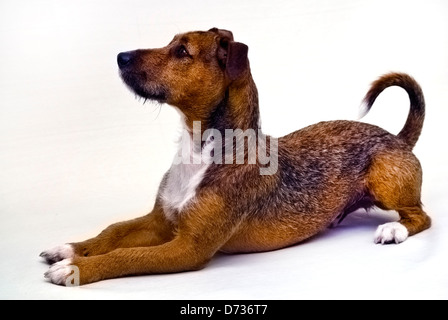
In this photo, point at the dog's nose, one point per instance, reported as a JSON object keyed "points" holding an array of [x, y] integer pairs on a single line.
{"points": [[124, 58]]}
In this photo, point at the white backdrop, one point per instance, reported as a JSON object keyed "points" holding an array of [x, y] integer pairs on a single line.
{"points": [[78, 151]]}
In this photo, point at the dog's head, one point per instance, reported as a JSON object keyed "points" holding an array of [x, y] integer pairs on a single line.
{"points": [[192, 72]]}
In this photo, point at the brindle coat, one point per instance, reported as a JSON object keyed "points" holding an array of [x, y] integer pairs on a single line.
{"points": [[324, 171]]}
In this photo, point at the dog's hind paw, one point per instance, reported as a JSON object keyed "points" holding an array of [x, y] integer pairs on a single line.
{"points": [[391, 232], [58, 253]]}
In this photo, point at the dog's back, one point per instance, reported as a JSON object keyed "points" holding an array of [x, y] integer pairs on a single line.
{"points": [[330, 169]]}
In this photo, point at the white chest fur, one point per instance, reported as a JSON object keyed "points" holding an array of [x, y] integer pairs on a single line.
{"points": [[183, 178]]}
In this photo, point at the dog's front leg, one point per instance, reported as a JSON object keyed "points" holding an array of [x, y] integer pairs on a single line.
{"points": [[150, 230], [201, 230]]}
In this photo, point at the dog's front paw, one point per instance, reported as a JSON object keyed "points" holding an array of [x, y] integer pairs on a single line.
{"points": [[58, 253], [64, 273], [391, 232]]}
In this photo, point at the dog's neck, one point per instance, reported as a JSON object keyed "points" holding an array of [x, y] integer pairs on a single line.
{"points": [[242, 105], [237, 110]]}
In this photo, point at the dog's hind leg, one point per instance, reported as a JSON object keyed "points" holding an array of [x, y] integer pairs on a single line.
{"points": [[394, 180]]}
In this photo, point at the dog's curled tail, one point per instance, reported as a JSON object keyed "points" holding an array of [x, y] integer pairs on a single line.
{"points": [[414, 123]]}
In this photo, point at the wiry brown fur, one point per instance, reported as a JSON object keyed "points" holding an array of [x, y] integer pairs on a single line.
{"points": [[325, 171]]}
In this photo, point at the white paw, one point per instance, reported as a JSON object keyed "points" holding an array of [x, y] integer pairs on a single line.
{"points": [[391, 232], [63, 273], [58, 253]]}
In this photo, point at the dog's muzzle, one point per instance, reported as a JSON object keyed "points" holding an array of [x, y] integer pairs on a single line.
{"points": [[138, 80]]}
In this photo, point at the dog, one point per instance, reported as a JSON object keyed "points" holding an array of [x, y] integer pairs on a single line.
{"points": [[318, 176]]}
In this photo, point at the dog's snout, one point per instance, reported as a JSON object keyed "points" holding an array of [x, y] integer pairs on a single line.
{"points": [[125, 58]]}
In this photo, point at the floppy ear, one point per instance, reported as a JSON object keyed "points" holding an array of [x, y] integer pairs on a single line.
{"points": [[237, 63], [223, 33], [232, 56]]}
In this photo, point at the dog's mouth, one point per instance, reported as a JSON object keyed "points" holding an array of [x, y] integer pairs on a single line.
{"points": [[139, 84]]}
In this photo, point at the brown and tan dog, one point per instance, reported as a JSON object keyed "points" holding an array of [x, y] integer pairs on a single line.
{"points": [[318, 174]]}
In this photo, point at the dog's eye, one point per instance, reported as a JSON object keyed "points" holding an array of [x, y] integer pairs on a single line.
{"points": [[182, 52]]}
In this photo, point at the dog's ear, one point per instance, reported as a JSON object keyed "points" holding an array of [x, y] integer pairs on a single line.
{"points": [[237, 62], [232, 57], [223, 33]]}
